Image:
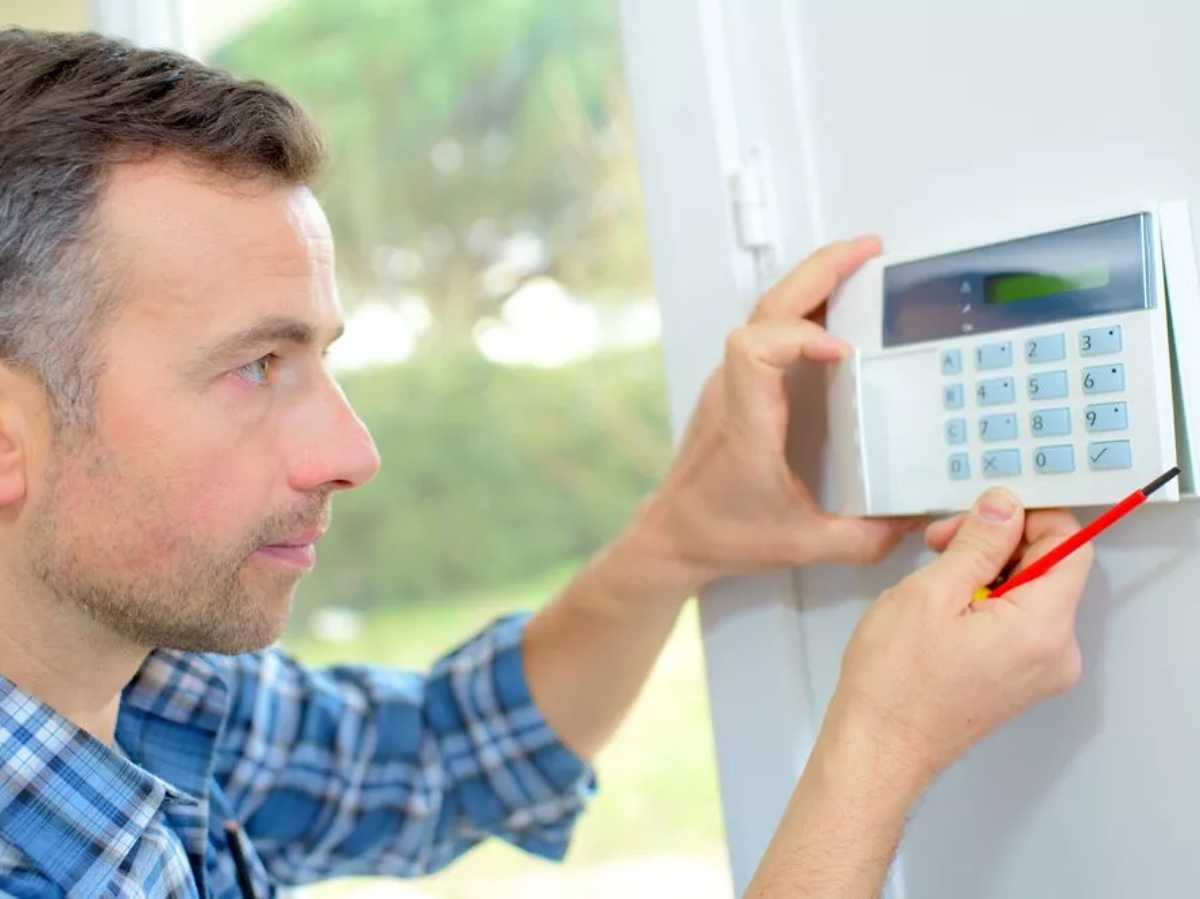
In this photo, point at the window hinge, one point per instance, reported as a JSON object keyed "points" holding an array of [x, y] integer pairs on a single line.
{"points": [[754, 214]]}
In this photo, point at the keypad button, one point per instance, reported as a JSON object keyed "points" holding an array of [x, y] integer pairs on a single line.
{"points": [[998, 427], [995, 391], [1050, 422], [1001, 463], [1049, 385], [1046, 348], [956, 430], [1054, 459], [951, 362], [993, 355], [1100, 341], [1110, 454], [952, 396], [1106, 417], [959, 467], [1104, 378]]}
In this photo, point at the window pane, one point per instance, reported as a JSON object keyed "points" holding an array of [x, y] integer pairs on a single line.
{"points": [[503, 347], [56, 15]]}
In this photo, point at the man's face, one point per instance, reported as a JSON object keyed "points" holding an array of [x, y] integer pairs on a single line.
{"points": [[187, 519]]}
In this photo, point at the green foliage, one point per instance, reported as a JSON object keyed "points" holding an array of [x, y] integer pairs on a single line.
{"points": [[522, 100], [490, 474]]}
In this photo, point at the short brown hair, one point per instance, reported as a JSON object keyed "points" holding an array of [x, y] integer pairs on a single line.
{"points": [[72, 106]]}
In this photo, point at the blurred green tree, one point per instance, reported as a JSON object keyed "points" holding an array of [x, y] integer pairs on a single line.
{"points": [[474, 144], [490, 474]]}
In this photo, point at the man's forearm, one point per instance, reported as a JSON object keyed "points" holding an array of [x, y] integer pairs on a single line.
{"points": [[588, 651], [845, 819]]}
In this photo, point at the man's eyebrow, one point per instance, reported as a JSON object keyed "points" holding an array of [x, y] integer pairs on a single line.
{"points": [[266, 332]]}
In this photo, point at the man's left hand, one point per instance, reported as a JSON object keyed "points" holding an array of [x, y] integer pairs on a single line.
{"points": [[730, 502]]}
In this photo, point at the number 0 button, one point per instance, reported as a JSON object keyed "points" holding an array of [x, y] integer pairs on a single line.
{"points": [[1054, 459], [960, 467]]}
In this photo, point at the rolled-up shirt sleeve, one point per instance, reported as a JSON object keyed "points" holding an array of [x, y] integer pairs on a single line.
{"points": [[359, 770]]}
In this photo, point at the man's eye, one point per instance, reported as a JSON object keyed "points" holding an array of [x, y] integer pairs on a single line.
{"points": [[258, 371]]}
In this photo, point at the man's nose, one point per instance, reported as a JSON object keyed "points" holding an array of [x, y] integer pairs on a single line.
{"points": [[337, 452]]}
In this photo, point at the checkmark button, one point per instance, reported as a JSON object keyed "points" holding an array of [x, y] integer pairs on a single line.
{"points": [[1110, 454]]}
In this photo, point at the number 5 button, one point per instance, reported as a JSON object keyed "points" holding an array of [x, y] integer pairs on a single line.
{"points": [[1049, 385]]}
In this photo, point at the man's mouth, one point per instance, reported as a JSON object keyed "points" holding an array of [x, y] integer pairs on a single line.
{"points": [[298, 549]]}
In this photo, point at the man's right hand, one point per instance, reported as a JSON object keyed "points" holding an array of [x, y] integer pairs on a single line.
{"points": [[932, 671], [928, 672]]}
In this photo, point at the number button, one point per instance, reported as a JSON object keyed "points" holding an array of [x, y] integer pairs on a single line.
{"points": [[998, 427], [1002, 463], [1054, 459], [1047, 348], [993, 355], [952, 396], [1050, 422], [951, 362], [1104, 378], [1110, 454], [1100, 341], [1107, 417], [960, 467], [995, 391], [1050, 385], [956, 430]]}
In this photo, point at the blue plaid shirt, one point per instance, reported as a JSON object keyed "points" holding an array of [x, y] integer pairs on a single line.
{"points": [[350, 770]]}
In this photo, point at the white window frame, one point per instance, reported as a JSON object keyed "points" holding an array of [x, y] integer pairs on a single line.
{"points": [[700, 120], [148, 23]]}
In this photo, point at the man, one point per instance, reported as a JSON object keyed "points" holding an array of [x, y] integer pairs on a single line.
{"points": [[170, 442]]}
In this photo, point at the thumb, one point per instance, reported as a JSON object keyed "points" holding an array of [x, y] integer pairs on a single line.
{"points": [[984, 544]]}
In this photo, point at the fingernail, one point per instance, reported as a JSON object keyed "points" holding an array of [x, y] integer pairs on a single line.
{"points": [[996, 506]]}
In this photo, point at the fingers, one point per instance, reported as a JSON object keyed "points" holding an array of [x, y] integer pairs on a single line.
{"points": [[810, 283], [982, 546], [855, 541], [1050, 526], [939, 534], [756, 359], [774, 346], [1057, 592]]}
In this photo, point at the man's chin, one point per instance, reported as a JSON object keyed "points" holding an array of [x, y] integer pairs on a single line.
{"points": [[253, 626]]}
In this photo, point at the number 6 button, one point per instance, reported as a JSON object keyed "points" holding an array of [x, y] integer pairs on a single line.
{"points": [[1104, 378]]}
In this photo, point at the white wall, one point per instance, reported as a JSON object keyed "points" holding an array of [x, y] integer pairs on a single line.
{"points": [[918, 120]]}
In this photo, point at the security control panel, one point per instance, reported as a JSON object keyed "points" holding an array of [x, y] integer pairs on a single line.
{"points": [[1047, 362]]}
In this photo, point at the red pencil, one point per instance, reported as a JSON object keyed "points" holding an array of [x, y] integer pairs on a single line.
{"points": [[1043, 564]]}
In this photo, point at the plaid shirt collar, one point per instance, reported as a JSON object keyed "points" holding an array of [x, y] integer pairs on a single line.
{"points": [[77, 807]]}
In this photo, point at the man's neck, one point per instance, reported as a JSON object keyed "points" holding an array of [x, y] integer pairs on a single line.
{"points": [[62, 658]]}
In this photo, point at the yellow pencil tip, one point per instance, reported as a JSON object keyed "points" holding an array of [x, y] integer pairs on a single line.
{"points": [[981, 594]]}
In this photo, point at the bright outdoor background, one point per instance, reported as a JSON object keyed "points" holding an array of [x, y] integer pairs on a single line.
{"points": [[503, 346]]}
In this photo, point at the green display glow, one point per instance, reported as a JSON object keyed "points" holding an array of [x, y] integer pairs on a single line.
{"points": [[1017, 286]]}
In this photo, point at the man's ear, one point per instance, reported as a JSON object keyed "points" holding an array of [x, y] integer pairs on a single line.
{"points": [[24, 433]]}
